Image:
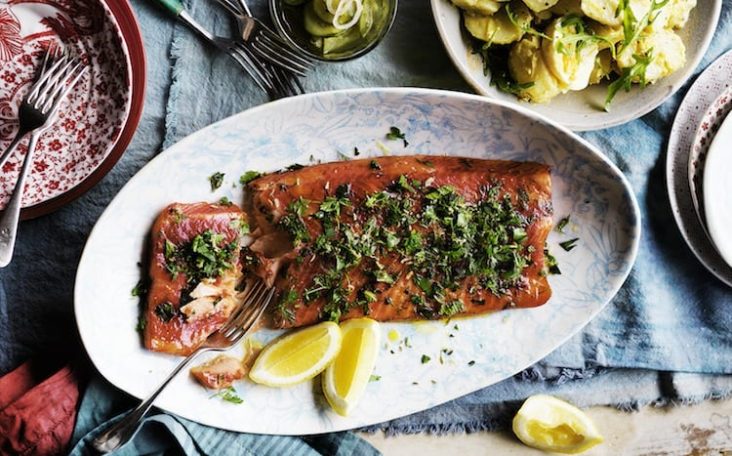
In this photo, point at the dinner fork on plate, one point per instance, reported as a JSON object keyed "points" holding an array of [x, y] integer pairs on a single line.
{"points": [[36, 114], [255, 299]]}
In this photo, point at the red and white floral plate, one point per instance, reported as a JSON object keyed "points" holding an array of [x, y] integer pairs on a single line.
{"points": [[97, 122]]}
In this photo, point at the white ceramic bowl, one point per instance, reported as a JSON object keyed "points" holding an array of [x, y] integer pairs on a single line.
{"points": [[584, 110]]}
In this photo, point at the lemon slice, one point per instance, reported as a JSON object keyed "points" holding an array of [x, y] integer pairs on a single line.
{"points": [[345, 380], [550, 424], [298, 356]]}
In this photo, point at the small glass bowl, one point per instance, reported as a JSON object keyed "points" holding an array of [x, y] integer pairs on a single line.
{"points": [[289, 22]]}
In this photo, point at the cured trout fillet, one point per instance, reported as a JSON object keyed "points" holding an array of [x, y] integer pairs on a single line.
{"points": [[194, 273], [399, 238]]}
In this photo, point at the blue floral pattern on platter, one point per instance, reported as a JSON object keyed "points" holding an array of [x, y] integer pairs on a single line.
{"points": [[327, 126]]}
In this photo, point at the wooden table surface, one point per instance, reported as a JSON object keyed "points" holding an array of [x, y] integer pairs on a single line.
{"points": [[699, 430]]}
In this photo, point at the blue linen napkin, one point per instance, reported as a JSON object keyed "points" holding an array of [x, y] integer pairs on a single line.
{"points": [[671, 315]]}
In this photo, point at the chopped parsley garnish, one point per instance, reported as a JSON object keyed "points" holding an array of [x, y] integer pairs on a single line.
{"points": [[551, 263], [569, 245], [165, 311], [374, 378], [395, 133], [141, 324], [356, 152], [294, 167], [140, 289], [224, 201], [216, 179], [373, 164], [470, 363], [441, 238], [451, 308], [562, 224], [206, 256], [425, 359], [229, 395], [248, 177]]}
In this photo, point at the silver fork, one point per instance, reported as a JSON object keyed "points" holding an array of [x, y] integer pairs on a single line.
{"points": [[240, 11], [265, 42], [36, 113], [242, 55], [256, 298]]}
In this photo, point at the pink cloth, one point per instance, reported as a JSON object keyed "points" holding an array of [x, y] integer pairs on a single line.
{"points": [[37, 410]]}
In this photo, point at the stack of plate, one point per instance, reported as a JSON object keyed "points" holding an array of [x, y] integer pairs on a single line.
{"points": [[699, 168]]}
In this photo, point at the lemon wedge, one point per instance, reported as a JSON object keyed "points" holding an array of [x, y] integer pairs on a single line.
{"points": [[345, 380], [550, 424], [298, 356]]}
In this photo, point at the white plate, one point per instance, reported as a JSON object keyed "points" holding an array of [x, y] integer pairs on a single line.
{"points": [[718, 190], [584, 110], [707, 87], [585, 184]]}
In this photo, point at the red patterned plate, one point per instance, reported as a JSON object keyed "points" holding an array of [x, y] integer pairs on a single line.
{"points": [[97, 122]]}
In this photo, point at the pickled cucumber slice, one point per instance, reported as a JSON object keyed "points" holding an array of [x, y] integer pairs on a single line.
{"points": [[315, 26]]}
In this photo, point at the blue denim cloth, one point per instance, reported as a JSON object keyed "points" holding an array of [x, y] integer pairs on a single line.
{"points": [[671, 315]]}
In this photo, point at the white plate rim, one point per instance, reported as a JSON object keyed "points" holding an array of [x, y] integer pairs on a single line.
{"points": [[628, 116], [635, 236]]}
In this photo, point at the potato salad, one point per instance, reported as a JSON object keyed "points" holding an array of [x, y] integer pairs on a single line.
{"points": [[538, 49]]}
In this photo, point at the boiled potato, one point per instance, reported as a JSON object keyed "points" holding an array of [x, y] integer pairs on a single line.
{"points": [[603, 66], [498, 28], [564, 7], [480, 7], [526, 65], [606, 11], [674, 14], [667, 51], [612, 34], [538, 6], [571, 65]]}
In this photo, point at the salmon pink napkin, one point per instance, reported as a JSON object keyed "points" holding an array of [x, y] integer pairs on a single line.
{"points": [[38, 404]]}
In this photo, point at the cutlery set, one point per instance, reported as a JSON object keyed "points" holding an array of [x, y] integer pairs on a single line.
{"points": [[273, 65]]}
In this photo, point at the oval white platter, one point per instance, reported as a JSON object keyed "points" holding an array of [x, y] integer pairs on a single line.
{"points": [[584, 110], [718, 188], [321, 126]]}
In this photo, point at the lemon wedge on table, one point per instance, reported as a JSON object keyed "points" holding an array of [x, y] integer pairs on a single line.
{"points": [[550, 424], [345, 380], [298, 356]]}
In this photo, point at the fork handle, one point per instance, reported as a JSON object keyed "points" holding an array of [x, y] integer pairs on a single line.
{"points": [[121, 432], [174, 7], [10, 217]]}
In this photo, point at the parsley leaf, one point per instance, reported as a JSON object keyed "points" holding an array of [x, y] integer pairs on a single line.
{"points": [[425, 359], [395, 133], [562, 224], [216, 179], [229, 395], [249, 176], [569, 245], [165, 311]]}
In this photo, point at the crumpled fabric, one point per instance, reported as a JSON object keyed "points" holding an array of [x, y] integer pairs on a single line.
{"points": [[38, 409]]}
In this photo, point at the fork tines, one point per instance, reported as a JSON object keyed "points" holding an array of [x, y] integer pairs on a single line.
{"points": [[255, 299], [272, 48]]}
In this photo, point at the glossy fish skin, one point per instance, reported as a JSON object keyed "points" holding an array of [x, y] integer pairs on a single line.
{"points": [[179, 224], [271, 195]]}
